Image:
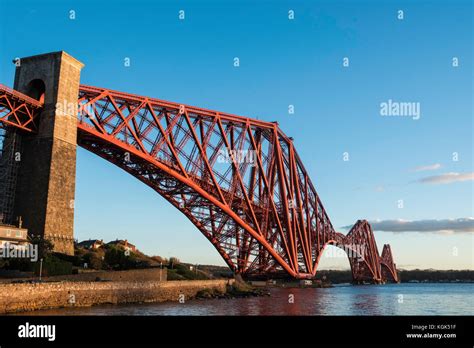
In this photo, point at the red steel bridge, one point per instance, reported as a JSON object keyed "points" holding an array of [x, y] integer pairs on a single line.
{"points": [[239, 180]]}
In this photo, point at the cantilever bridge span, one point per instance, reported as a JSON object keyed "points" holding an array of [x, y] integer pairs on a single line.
{"points": [[239, 180]]}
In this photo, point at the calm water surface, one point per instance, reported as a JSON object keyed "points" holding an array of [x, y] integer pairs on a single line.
{"points": [[389, 299]]}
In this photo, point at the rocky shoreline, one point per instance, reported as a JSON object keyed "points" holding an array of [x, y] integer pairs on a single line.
{"points": [[235, 290]]}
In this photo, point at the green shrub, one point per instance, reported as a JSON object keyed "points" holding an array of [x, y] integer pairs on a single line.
{"points": [[76, 260], [116, 259], [186, 273], [52, 266], [20, 264], [93, 260]]}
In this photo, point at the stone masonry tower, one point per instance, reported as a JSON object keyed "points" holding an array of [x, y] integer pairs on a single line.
{"points": [[44, 197]]}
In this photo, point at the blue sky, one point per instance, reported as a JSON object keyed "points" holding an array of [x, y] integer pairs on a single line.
{"points": [[283, 62]]}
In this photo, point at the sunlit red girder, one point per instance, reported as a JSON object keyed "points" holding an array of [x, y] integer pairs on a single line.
{"points": [[18, 110], [260, 216], [362, 251], [388, 267], [364, 261], [263, 216]]}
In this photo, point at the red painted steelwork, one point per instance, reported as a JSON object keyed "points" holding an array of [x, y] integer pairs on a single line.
{"points": [[18, 110], [239, 180], [388, 266]]}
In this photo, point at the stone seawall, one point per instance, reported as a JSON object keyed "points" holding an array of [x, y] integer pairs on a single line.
{"points": [[29, 297]]}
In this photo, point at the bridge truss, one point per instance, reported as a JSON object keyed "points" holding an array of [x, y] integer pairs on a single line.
{"points": [[239, 180]]}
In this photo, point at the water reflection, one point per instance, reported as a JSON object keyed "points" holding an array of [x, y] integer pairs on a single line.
{"points": [[421, 299]]}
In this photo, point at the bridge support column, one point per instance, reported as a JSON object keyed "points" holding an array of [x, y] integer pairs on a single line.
{"points": [[45, 188]]}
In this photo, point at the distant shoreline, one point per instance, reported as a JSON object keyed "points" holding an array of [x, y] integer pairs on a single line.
{"points": [[406, 276]]}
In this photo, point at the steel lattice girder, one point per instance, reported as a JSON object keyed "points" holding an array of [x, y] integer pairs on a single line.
{"points": [[18, 110], [239, 180], [386, 262]]}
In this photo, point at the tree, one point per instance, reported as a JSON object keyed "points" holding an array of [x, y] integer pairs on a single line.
{"points": [[93, 260], [45, 246], [173, 262], [117, 259]]}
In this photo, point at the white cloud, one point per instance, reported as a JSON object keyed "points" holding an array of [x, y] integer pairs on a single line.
{"points": [[429, 167], [460, 225], [447, 178]]}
